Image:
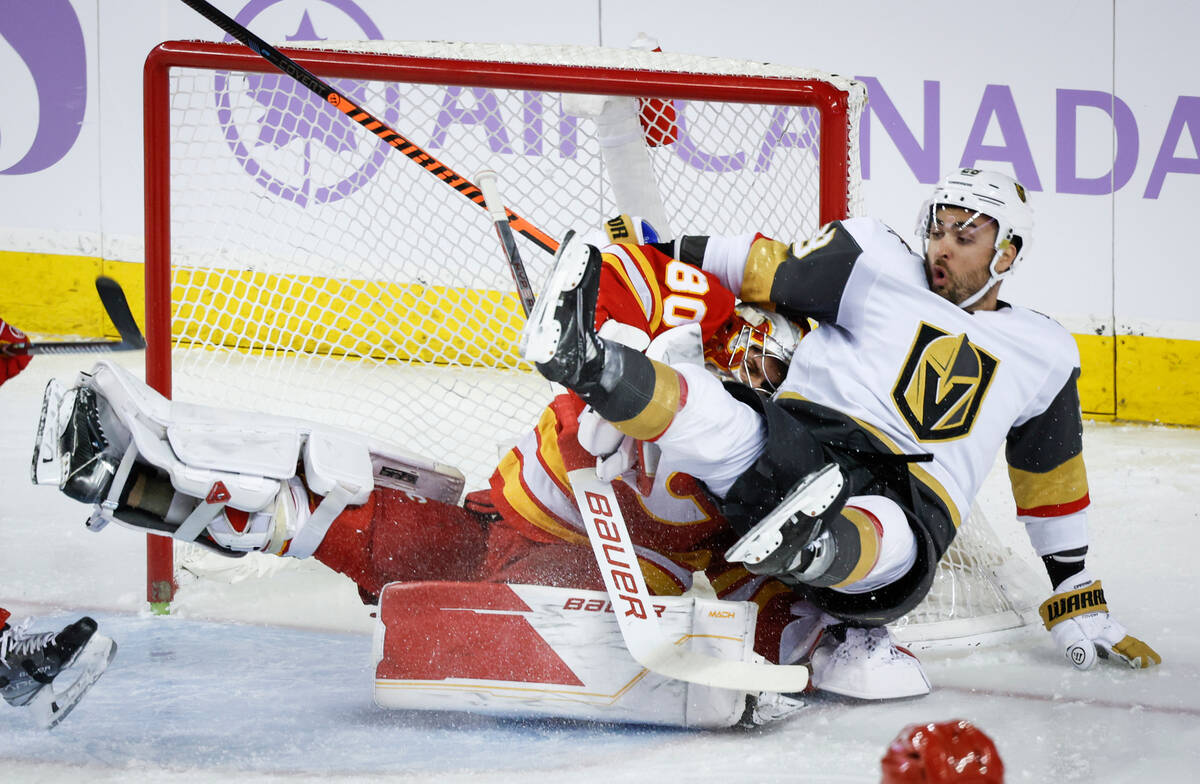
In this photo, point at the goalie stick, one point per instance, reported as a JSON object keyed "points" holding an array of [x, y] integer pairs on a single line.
{"points": [[113, 299], [495, 208], [613, 548], [364, 118], [633, 605]]}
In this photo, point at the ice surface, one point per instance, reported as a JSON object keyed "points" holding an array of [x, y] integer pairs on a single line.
{"points": [[269, 678]]}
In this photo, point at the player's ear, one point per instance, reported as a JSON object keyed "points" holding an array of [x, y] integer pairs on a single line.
{"points": [[1006, 258]]}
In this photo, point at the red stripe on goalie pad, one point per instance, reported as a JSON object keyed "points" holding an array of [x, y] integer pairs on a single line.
{"points": [[439, 630]]}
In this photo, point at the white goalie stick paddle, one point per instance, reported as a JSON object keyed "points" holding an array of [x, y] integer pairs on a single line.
{"points": [[634, 606], [117, 308]]}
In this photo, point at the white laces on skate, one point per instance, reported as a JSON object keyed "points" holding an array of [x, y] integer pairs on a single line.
{"points": [[14, 640]]}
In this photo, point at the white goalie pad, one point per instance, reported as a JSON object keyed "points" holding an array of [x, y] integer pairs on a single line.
{"points": [[526, 651], [233, 459]]}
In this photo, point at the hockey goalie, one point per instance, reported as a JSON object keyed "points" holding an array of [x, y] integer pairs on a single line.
{"points": [[496, 604]]}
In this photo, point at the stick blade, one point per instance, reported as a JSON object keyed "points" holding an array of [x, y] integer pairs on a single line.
{"points": [[117, 308], [723, 673]]}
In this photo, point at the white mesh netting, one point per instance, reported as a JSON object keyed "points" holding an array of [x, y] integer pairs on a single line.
{"points": [[317, 272]]}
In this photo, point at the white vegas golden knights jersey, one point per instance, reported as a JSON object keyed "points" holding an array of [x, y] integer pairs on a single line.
{"points": [[920, 373]]}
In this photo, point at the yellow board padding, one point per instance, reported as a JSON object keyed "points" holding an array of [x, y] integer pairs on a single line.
{"points": [[52, 294], [1097, 377], [1158, 380], [303, 313], [1132, 377], [49, 294]]}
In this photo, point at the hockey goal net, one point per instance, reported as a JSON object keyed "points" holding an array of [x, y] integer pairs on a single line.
{"points": [[297, 264]]}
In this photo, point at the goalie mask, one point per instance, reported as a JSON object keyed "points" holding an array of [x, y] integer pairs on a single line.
{"points": [[754, 348], [988, 194]]}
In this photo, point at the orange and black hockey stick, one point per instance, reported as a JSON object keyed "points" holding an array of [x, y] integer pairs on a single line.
{"points": [[365, 118]]}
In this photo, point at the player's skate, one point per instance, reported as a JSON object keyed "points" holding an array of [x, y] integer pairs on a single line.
{"points": [[560, 335], [788, 540], [31, 664], [866, 663]]}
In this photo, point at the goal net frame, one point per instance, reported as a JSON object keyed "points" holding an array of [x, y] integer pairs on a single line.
{"points": [[648, 77]]}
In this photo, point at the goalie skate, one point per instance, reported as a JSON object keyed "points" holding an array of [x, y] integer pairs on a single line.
{"points": [[779, 541], [72, 448], [52, 705]]}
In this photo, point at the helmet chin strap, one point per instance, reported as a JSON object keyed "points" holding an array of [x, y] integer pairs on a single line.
{"points": [[978, 295], [993, 278]]}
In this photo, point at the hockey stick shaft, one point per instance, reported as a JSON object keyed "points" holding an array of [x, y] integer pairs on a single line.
{"points": [[79, 347], [364, 118], [495, 207]]}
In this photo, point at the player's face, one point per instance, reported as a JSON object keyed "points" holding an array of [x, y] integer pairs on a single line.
{"points": [[763, 371], [959, 250]]}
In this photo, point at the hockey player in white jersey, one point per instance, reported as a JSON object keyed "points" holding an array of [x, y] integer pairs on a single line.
{"points": [[852, 478]]}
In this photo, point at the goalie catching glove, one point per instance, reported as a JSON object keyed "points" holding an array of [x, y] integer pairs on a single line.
{"points": [[1077, 616]]}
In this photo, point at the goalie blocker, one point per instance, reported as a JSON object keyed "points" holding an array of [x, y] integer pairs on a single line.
{"points": [[526, 651]]}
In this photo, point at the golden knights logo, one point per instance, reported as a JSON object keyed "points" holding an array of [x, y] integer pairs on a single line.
{"points": [[943, 384]]}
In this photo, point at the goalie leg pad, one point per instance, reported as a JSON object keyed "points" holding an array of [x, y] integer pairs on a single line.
{"points": [[533, 651], [230, 464]]}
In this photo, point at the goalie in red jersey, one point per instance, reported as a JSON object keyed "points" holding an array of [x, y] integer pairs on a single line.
{"points": [[524, 528]]}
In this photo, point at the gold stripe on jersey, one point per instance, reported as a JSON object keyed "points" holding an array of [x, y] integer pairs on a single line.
{"points": [[762, 262], [920, 474], [1061, 485], [514, 493], [768, 591], [697, 560], [660, 581], [868, 544], [547, 440], [727, 580], [657, 414]]}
